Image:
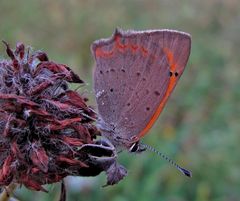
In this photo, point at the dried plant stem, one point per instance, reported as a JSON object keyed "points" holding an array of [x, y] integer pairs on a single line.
{"points": [[8, 191]]}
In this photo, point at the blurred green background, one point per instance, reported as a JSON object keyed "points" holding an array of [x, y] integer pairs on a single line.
{"points": [[199, 127]]}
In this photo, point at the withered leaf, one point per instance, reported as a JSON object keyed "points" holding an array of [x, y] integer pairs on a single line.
{"points": [[39, 157], [115, 173]]}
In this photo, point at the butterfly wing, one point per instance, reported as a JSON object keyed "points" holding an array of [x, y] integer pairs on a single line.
{"points": [[135, 73]]}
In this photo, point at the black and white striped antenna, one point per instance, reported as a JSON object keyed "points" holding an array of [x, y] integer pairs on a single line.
{"points": [[182, 170]]}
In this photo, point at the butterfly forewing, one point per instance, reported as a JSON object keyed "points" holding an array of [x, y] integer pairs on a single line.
{"points": [[135, 73], [115, 76]]}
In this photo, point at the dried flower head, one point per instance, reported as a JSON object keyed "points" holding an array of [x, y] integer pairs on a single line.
{"points": [[46, 129]]}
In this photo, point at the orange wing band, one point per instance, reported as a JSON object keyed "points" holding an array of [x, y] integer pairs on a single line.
{"points": [[170, 87]]}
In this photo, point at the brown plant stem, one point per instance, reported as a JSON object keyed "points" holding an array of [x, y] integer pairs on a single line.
{"points": [[8, 191]]}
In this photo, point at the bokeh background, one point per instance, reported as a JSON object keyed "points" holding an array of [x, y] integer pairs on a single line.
{"points": [[200, 125]]}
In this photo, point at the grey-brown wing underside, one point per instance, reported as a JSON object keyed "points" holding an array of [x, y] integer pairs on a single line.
{"points": [[134, 75]]}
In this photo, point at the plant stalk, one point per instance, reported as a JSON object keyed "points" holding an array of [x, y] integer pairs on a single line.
{"points": [[7, 192]]}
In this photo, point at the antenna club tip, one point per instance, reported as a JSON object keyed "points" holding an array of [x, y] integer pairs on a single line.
{"points": [[189, 174], [186, 172]]}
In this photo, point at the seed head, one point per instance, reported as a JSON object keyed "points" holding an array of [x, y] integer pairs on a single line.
{"points": [[43, 123]]}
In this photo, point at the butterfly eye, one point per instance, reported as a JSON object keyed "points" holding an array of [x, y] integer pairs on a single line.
{"points": [[176, 74], [134, 147], [137, 147], [170, 73]]}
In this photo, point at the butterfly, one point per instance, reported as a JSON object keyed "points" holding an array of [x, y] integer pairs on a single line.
{"points": [[135, 73]]}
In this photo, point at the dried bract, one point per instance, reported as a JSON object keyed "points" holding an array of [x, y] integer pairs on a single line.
{"points": [[46, 129]]}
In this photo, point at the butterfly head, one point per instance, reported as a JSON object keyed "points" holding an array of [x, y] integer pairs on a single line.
{"points": [[137, 147], [133, 144]]}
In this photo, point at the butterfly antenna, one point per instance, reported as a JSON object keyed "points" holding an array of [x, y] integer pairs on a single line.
{"points": [[182, 170]]}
